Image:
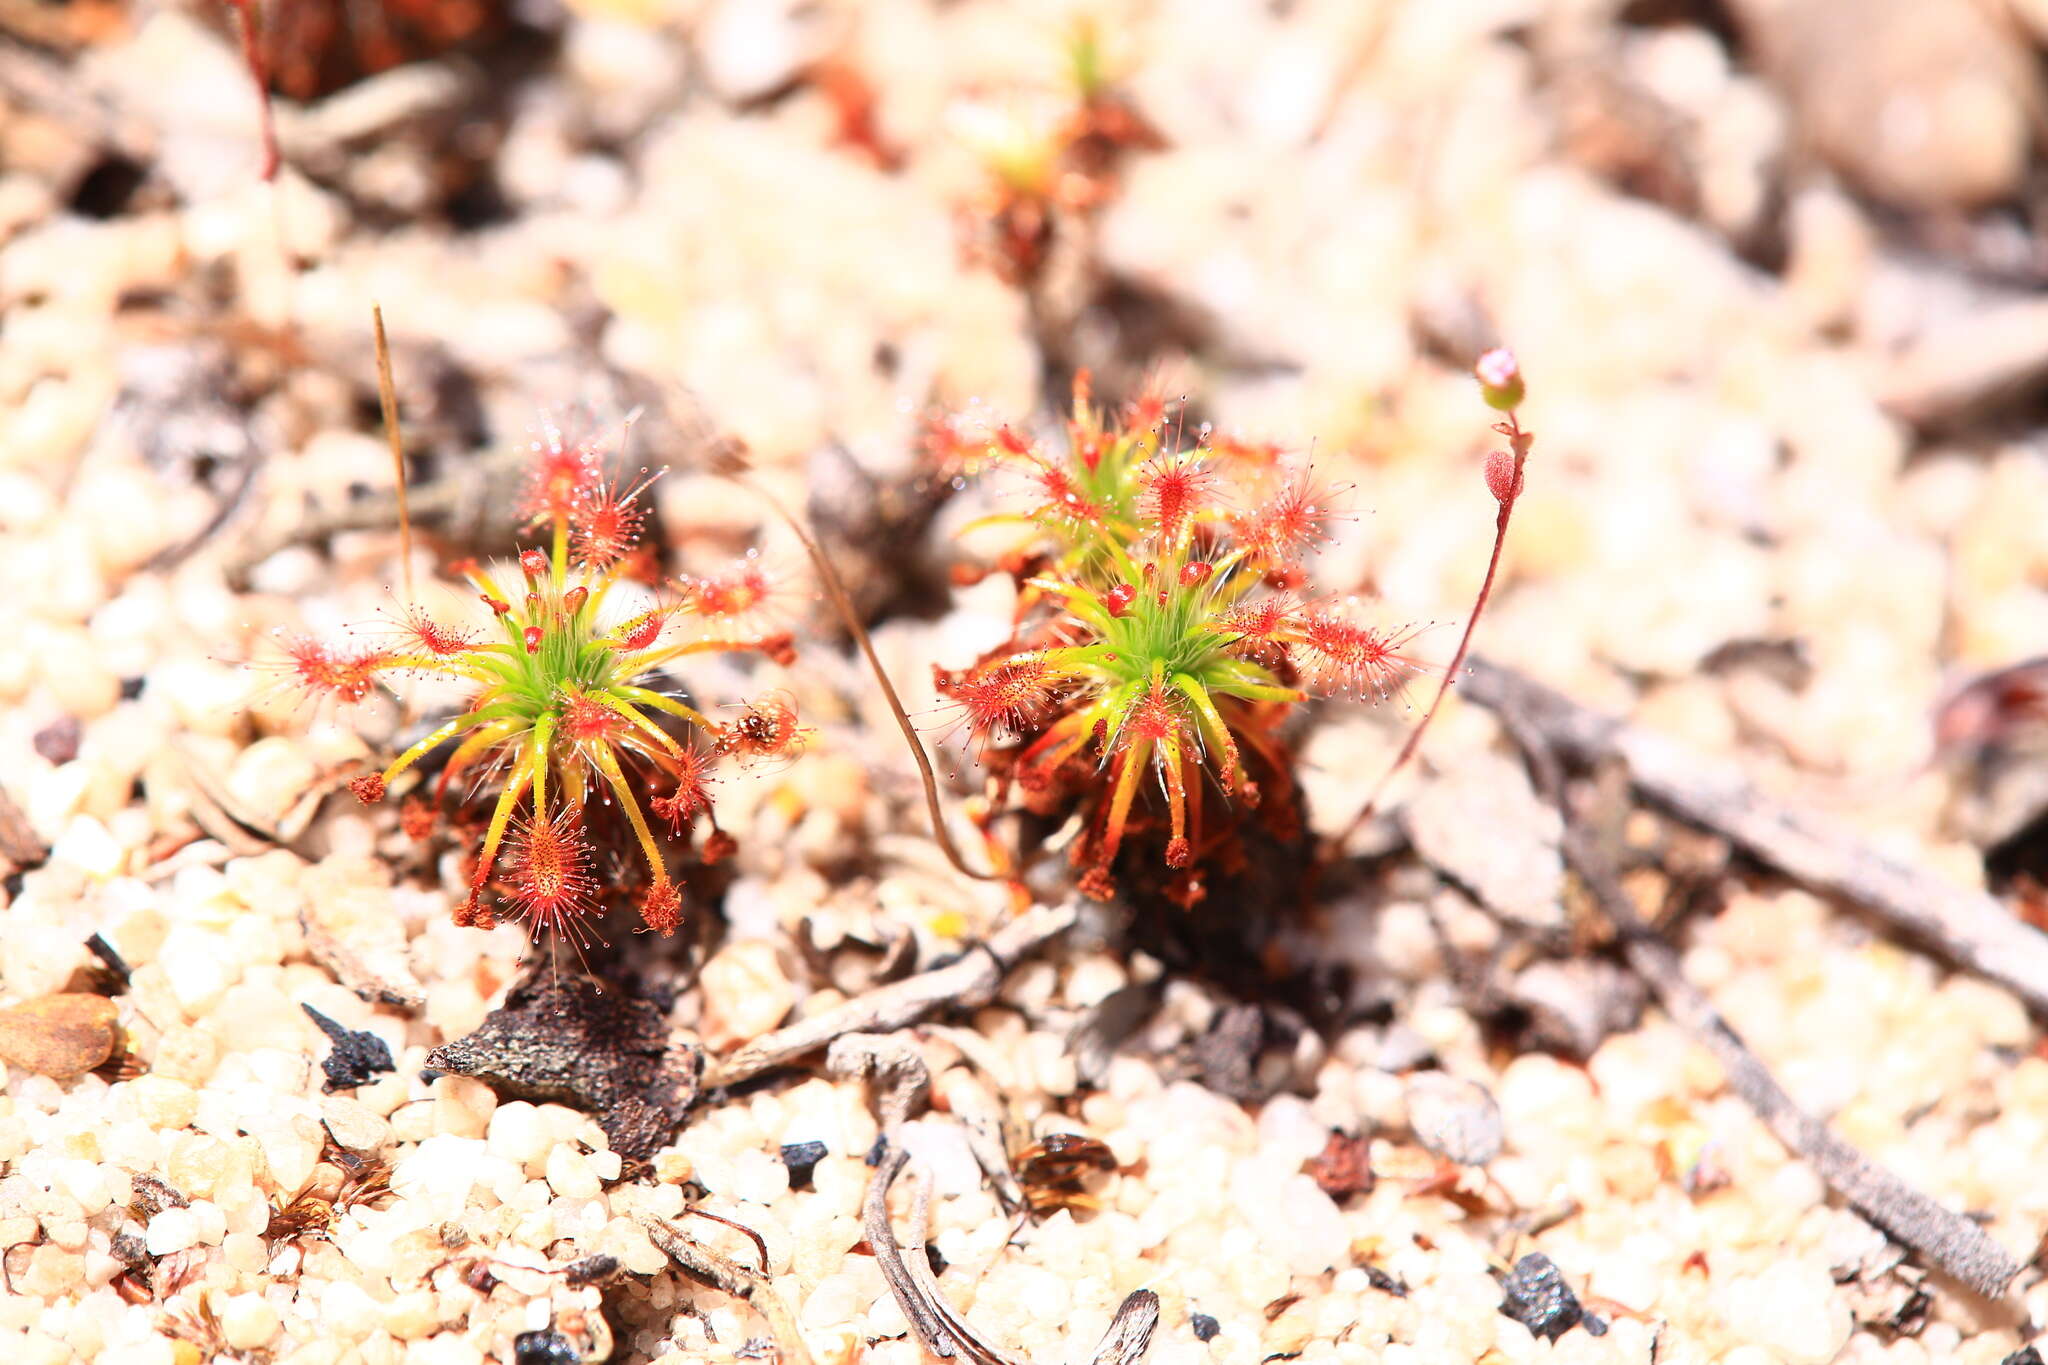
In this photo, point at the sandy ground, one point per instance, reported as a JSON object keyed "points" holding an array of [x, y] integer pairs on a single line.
{"points": [[1787, 493]]}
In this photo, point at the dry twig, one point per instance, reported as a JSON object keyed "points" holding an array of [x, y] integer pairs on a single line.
{"points": [[729, 1276], [1967, 927], [941, 1330], [968, 982], [938, 1327], [1949, 1241], [893, 1063]]}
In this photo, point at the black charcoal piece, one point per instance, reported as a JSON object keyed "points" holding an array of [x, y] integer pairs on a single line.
{"points": [[1205, 1327], [2025, 1355], [1386, 1282], [802, 1158], [116, 965], [1537, 1297], [543, 1348], [357, 1057]]}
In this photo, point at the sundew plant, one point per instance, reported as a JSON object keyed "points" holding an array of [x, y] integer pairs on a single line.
{"points": [[1166, 630], [565, 700]]}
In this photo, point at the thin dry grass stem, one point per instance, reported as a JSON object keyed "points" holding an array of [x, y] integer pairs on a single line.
{"points": [[387, 397], [1500, 380], [731, 461]]}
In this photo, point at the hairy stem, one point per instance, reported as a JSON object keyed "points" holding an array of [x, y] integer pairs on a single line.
{"points": [[1519, 442]]}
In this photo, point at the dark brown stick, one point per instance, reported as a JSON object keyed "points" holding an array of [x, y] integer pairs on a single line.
{"points": [[1966, 927], [1949, 1241]]}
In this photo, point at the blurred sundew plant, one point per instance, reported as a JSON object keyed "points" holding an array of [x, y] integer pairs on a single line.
{"points": [[1166, 629], [1066, 164], [565, 700]]}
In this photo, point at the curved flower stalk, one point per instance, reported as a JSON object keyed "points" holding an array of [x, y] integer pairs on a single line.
{"points": [[1162, 636], [562, 700]]}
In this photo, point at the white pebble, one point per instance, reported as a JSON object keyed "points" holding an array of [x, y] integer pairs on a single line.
{"points": [[196, 968], [210, 1221], [1289, 1130], [1092, 979], [569, 1174], [248, 1322], [1793, 1310], [746, 992], [1294, 1219], [353, 1125], [758, 1177], [172, 1230], [941, 1150], [518, 1133], [86, 845]]}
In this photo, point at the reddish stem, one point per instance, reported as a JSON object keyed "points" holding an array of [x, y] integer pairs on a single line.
{"points": [[1518, 442], [244, 12]]}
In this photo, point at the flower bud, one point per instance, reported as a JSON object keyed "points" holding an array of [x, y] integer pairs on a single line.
{"points": [[1119, 598], [1500, 379], [1503, 477]]}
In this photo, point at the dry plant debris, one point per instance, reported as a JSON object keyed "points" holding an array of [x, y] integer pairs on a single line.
{"points": [[963, 984], [564, 1037], [1967, 927], [356, 1058]]}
